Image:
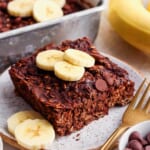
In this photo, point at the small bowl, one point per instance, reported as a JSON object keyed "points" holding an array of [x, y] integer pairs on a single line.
{"points": [[143, 128], [1, 144]]}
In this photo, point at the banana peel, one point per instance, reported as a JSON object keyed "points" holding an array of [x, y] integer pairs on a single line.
{"points": [[131, 20]]}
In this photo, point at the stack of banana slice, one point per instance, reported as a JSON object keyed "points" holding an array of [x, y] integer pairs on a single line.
{"points": [[31, 130], [42, 10], [68, 65]]}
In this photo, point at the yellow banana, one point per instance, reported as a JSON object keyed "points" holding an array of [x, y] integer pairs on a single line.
{"points": [[61, 3], [79, 58], [19, 117], [47, 59], [35, 134], [44, 10], [20, 8], [68, 72], [131, 20]]}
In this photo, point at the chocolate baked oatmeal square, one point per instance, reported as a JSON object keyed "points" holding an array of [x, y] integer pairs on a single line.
{"points": [[69, 106]]}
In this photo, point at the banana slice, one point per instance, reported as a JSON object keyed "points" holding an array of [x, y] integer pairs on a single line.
{"points": [[46, 60], [44, 10], [20, 8], [68, 72], [19, 117], [79, 58], [61, 3], [34, 134]]}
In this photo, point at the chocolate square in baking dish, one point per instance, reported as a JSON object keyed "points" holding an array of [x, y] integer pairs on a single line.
{"points": [[69, 106]]}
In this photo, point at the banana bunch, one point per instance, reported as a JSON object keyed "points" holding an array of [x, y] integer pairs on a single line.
{"points": [[68, 65], [42, 10], [31, 130], [131, 20]]}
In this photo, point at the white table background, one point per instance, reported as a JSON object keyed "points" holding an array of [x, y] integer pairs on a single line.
{"points": [[109, 42]]}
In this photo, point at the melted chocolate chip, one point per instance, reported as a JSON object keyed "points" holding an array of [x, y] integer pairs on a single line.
{"points": [[101, 85], [109, 77]]}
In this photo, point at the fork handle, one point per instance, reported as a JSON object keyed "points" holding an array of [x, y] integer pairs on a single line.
{"points": [[108, 144]]}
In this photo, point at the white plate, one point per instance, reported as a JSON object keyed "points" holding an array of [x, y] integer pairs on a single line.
{"points": [[89, 137]]}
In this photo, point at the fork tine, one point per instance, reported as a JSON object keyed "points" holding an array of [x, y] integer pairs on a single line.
{"points": [[147, 106], [131, 105], [143, 97]]}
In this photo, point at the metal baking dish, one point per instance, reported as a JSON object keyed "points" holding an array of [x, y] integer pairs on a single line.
{"points": [[20, 42]]}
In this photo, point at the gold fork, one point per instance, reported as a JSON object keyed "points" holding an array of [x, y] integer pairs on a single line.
{"points": [[136, 112]]}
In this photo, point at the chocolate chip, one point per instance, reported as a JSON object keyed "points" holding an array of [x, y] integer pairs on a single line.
{"points": [[137, 142], [101, 85], [148, 138], [109, 77], [137, 136], [135, 145], [147, 147]]}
